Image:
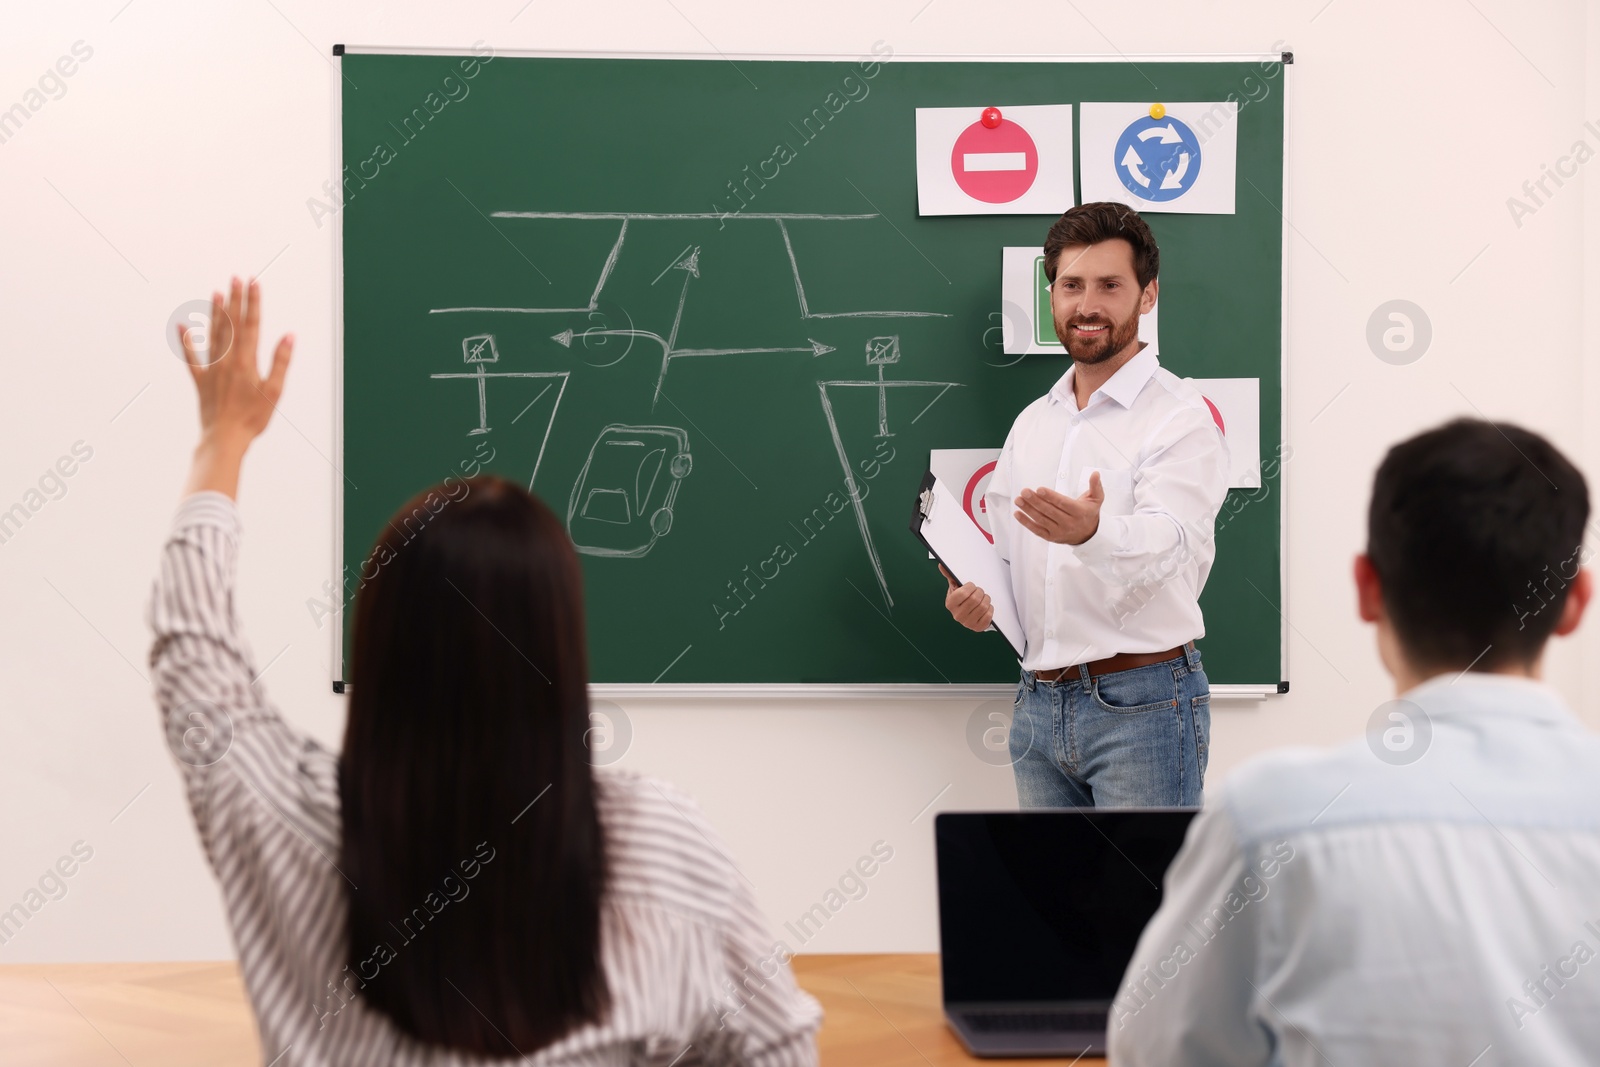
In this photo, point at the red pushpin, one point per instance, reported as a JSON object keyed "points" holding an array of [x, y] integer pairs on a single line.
{"points": [[991, 117]]}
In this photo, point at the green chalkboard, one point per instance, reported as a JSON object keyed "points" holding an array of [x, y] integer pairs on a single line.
{"points": [[658, 367]]}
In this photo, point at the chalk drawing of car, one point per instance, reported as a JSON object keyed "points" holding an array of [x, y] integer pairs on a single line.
{"points": [[621, 504]]}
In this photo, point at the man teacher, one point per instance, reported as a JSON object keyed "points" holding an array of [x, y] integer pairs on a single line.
{"points": [[1104, 502]]}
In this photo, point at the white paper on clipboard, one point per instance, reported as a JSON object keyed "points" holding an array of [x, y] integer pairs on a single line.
{"points": [[967, 554]]}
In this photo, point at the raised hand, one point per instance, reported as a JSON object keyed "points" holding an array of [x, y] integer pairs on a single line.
{"points": [[236, 403], [234, 399]]}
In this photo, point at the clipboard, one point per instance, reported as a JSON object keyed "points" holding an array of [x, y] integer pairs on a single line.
{"points": [[943, 526]]}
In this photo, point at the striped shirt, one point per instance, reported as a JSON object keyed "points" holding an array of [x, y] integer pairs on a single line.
{"points": [[694, 976]]}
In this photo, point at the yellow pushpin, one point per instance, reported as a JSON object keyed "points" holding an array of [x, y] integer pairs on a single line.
{"points": [[1158, 112]]}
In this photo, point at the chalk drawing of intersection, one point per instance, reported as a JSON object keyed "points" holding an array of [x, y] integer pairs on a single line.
{"points": [[690, 265], [621, 504], [612, 510]]}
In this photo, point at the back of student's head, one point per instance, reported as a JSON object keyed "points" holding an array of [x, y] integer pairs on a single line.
{"points": [[1475, 532], [472, 852]]}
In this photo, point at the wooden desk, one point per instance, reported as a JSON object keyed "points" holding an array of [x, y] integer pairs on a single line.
{"points": [[881, 1011], [884, 1011]]}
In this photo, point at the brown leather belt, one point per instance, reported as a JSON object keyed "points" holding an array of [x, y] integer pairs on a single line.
{"points": [[1122, 661]]}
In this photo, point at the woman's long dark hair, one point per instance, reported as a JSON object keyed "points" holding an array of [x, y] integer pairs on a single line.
{"points": [[471, 834]]}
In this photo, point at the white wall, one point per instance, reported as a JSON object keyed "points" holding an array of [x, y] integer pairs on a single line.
{"points": [[185, 149]]}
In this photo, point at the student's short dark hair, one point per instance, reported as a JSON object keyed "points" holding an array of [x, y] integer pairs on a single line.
{"points": [[1476, 532], [1089, 224]]}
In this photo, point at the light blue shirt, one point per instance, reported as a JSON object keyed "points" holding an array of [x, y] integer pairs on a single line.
{"points": [[1332, 907]]}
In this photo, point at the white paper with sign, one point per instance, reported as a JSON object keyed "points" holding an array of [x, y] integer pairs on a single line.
{"points": [[1021, 165], [1236, 407], [1184, 161], [966, 471]]}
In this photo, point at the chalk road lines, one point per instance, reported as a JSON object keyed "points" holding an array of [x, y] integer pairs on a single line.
{"points": [[688, 261], [625, 217]]}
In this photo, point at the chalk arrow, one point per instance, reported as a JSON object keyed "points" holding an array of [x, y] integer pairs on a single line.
{"points": [[564, 338], [1131, 160], [1168, 134], [813, 348], [1174, 178], [820, 349]]}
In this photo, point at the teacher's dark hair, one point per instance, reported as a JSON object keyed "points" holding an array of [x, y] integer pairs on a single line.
{"points": [[1102, 220], [1475, 531], [473, 853]]}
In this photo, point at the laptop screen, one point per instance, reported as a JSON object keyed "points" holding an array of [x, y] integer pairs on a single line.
{"points": [[1048, 904]]}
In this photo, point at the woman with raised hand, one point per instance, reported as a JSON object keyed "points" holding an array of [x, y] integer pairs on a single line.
{"points": [[458, 885]]}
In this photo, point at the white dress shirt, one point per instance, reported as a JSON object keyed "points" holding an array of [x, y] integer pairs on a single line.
{"points": [[1329, 907], [1135, 585]]}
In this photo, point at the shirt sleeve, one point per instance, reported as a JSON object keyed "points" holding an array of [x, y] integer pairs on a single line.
{"points": [[761, 1018], [1177, 489], [1189, 995], [777, 1023], [231, 747]]}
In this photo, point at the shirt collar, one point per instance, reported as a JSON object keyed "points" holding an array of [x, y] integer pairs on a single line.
{"points": [[1479, 693], [1124, 386]]}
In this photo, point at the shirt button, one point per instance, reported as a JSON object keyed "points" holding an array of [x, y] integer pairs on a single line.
{"points": [[1049, 633]]}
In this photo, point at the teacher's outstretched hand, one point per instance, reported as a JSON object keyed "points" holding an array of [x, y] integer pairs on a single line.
{"points": [[236, 403], [1060, 518]]}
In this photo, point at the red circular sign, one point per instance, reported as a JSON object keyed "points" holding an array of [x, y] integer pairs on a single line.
{"points": [[994, 165], [980, 478]]}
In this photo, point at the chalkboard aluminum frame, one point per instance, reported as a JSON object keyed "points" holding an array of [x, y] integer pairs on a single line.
{"points": [[900, 691]]}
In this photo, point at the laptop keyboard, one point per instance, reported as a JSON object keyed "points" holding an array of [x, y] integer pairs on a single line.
{"points": [[1035, 1021]]}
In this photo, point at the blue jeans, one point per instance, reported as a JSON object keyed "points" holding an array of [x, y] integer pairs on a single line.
{"points": [[1134, 738]]}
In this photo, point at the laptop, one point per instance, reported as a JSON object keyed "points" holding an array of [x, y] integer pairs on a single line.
{"points": [[1039, 913]]}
